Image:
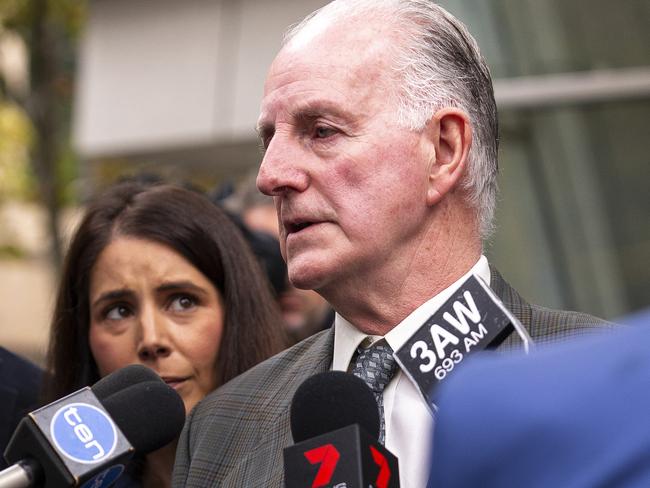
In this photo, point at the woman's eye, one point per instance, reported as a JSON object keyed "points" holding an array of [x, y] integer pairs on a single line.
{"points": [[182, 302], [117, 312]]}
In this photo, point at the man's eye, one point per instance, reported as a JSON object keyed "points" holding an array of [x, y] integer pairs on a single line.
{"points": [[323, 132]]}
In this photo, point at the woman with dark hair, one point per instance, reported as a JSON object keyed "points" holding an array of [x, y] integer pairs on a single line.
{"points": [[158, 275]]}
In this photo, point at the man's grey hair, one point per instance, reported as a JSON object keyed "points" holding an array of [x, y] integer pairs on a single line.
{"points": [[438, 64]]}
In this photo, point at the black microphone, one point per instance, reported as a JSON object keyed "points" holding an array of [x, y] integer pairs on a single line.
{"points": [[471, 320], [335, 424], [123, 378], [86, 438]]}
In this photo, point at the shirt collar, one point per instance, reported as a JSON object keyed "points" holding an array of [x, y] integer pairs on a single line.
{"points": [[347, 338]]}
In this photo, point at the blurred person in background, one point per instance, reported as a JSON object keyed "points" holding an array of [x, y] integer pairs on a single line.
{"points": [[304, 312], [158, 275], [20, 381], [574, 415]]}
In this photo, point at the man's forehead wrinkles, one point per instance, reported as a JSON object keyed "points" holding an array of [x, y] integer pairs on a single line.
{"points": [[314, 107], [333, 75], [300, 88], [306, 103], [300, 63]]}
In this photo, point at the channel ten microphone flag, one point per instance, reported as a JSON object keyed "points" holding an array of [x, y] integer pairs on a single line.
{"points": [[86, 438], [335, 424]]}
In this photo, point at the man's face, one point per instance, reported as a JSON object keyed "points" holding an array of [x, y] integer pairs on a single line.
{"points": [[349, 184]]}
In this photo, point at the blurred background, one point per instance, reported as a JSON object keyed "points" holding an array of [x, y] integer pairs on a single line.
{"points": [[92, 90]]}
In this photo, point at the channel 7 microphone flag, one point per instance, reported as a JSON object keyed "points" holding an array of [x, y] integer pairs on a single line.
{"points": [[335, 424]]}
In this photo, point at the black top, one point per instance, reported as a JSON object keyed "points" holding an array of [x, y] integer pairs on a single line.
{"points": [[20, 383]]}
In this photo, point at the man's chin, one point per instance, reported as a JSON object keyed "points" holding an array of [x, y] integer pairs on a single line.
{"points": [[307, 278], [304, 282]]}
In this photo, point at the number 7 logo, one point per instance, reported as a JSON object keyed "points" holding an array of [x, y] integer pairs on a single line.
{"points": [[328, 456], [384, 470]]}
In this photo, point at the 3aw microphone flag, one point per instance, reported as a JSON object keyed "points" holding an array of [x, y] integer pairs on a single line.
{"points": [[471, 320]]}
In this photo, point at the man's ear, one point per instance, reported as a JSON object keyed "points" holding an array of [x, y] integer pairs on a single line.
{"points": [[450, 132]]}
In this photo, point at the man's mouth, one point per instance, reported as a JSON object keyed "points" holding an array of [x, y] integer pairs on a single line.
{"points": [[293, 227]]}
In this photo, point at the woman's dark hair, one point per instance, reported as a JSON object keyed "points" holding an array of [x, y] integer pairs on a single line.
{"points": [[191, 225]]}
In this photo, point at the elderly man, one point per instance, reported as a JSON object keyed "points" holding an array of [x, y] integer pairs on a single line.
{"points": [[380, 129]]}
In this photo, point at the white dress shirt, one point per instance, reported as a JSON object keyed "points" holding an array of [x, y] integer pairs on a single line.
{"points": [[409, 423]]}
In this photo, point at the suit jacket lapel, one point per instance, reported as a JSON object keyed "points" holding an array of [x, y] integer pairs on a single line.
{"points": [[519, 307], [264, 466]]}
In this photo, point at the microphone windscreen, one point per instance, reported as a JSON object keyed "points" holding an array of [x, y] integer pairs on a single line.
{"points": [[330, 401], [123, 378], [150, 414]]}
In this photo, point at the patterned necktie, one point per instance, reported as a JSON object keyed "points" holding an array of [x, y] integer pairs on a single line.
{"points": [[376, 366]]}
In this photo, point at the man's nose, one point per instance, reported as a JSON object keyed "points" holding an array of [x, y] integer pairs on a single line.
{"points": [[154, 339], [283, 168]]}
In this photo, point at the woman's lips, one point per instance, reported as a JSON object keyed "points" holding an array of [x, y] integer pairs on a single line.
{"points": [[174, 381]]}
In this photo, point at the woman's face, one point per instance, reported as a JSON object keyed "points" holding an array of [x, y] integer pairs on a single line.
{"points": [[149, 305]]}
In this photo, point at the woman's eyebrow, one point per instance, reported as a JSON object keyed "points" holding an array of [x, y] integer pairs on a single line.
{"points": [[113, 295], [180, 285]]}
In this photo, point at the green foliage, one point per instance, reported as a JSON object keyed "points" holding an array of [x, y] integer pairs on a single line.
{"points": [[9, 9], [18, 138], [67, 172], [71, 14], [68, 14], [16, 135], [9, 251]]}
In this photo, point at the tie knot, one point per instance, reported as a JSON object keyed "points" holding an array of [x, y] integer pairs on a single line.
{"points": [[375, 365]]}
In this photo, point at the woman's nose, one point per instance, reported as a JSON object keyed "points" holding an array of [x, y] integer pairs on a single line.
{"points": [[154, 341]]}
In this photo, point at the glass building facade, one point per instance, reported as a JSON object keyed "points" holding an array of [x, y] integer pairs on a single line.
{"points": [[572, 80]]}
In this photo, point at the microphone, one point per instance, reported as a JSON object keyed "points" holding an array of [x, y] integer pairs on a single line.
{"points": [[471, 320], [335, 424], [123, 378], [86, 438]]}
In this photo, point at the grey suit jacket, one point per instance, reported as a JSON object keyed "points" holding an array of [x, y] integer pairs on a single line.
{"points": [[236, 435]]}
